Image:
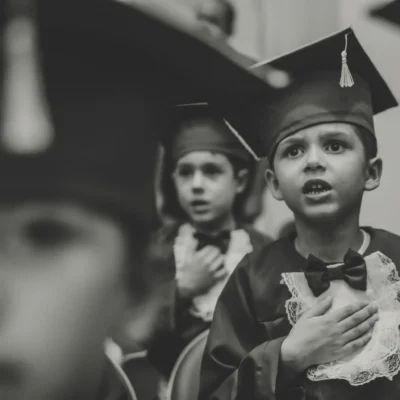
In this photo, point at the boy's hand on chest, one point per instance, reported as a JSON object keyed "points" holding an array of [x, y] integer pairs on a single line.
{"points": [[202, 270], [319, 337]]}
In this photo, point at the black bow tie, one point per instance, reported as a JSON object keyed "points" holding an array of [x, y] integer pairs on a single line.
{"points": [[221, 240], [353, 271]]}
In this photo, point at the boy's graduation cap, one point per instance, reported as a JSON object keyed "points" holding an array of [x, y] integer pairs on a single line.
{"points": [[332, 80], [109, 74], [389, 12], [201, 127]]}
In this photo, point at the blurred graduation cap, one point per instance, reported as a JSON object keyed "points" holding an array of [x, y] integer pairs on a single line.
{"points": [[201, 127], [389, 12], [87, 90], [332, 80]]}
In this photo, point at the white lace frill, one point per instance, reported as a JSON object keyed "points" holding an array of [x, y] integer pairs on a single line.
{"points": [[381, 356], [203, 306]]}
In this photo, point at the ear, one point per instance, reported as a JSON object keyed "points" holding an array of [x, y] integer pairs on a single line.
{"points": [[242, 178], [273, 184], [373, 174]]}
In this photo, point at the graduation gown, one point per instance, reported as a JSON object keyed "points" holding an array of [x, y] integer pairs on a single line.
{"points": [[177, 326], [242, 355], [115, 385]]}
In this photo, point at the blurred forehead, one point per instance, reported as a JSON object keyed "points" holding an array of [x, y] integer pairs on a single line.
{"points": [[198, 158]]}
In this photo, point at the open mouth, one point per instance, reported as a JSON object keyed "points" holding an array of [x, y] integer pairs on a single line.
{"points": [[198, 203], [316, 187]]}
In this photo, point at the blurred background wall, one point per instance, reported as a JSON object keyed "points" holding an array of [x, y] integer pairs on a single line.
{"points": [[267, 28]]}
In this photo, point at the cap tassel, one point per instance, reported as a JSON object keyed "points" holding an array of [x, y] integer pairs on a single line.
{"points": [[346, 80]]}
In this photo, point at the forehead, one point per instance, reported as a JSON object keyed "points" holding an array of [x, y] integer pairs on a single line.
{"points": [[197, 158], [316, 132], [20, 212]]}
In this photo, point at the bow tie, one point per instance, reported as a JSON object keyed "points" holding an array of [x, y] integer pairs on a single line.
{"points": [[221, 240], [353, 271]]}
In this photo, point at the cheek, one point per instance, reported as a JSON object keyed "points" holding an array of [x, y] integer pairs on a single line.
{"points": [[223, 189], [287, 176], [182, 191], [60, 310], [351, 173]]}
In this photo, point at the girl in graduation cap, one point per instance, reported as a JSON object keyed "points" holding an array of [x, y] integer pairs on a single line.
{"points": [[204, 186]]}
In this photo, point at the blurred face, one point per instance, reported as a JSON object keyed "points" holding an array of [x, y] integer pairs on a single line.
{"points": [[321, 172], [207, 186], [212, 14], [62, 293]]}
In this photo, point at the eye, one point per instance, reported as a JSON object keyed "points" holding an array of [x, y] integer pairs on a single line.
{"points": [[335, 147], [293, 151], [44, 233], [184, 172], [212, 170]]}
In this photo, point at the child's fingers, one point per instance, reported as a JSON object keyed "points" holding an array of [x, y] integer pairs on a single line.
{"points": [[217, 264], [208, 254], [319, 309]]}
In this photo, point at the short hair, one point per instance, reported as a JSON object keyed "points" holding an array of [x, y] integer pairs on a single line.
{"points": [[369, 142]]}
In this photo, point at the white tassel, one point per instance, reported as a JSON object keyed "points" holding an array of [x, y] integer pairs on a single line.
{"points": [[346, 80]]}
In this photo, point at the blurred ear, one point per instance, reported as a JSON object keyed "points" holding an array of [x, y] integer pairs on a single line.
{"points": [[242, 178], [273, 184], [373, 174]]}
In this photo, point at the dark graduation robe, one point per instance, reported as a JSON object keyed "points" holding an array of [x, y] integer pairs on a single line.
{"points": [[242, 356], [113, 385], [177, 327]]}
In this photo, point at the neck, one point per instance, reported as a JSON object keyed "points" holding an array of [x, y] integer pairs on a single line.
{"points": [[227, 223], [328, 241]]}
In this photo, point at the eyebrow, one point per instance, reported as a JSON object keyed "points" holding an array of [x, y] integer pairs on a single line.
{"points": [[322, 134]]}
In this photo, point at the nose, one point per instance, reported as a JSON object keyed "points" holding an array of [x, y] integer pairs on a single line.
{"points": [[197, 181], [315, 159], [25, 122]]}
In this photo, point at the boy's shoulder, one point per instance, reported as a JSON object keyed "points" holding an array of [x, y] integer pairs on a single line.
{"points": [[257, 239], [268, 257], [386, 242]]}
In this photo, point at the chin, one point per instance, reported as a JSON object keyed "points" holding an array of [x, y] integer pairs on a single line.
{"points": [[323, 214], [202, 219]]}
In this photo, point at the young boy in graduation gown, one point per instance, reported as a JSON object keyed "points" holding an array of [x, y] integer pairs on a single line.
{"points": [[205, 185], [85, 94], [315, 315]]}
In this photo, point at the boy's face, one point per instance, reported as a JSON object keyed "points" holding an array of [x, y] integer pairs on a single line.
{"points": [[321, 172], [206, 186], [62, 292]]}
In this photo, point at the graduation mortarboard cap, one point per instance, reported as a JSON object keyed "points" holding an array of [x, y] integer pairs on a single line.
{"points": [[332, 80], [200, 127], [389, 12], [87, 89]]}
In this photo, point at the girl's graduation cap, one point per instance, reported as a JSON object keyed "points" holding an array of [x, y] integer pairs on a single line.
{"points": [[332, 80], [101, 76], [389, 12]]}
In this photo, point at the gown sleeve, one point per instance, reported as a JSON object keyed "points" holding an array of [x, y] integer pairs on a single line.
{"points": [[240, 361]]}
